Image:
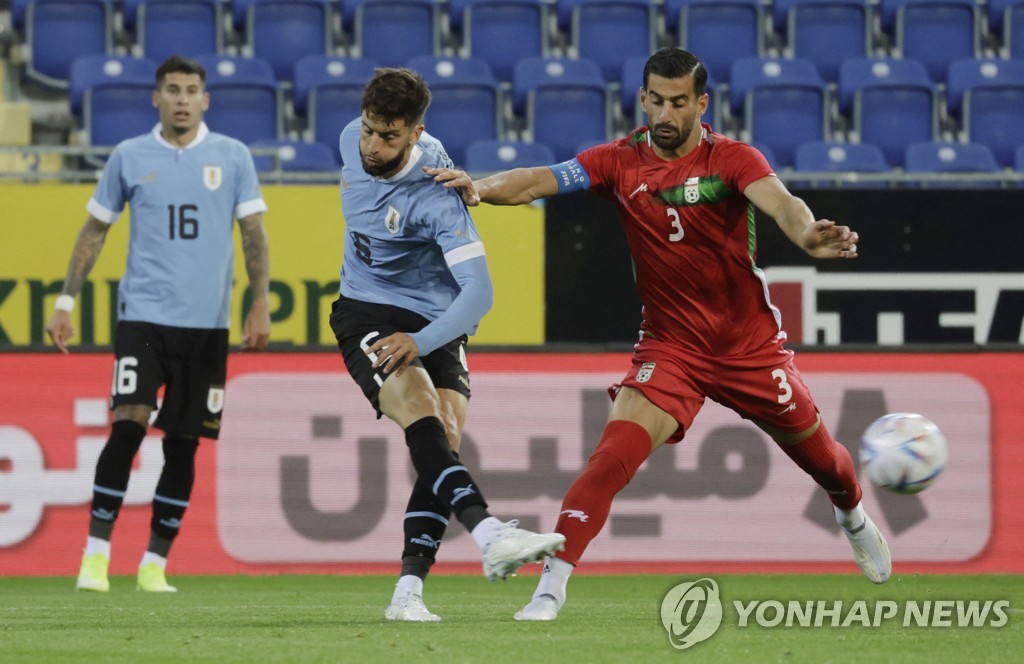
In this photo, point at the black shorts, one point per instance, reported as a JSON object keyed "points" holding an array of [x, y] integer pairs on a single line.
{"points": [[358, 324], [191, 362]]}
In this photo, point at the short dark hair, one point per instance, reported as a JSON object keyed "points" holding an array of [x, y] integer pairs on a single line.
{"points": [[177, 64], [394, 94], [677, 63]]}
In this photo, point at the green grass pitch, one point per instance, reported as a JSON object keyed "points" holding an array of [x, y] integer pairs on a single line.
{"points": [[607, 619]]}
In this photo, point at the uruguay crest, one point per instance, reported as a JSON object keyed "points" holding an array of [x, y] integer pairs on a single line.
{"points": [[691, 190], [393, 220], [212, 177], [215, 400]]}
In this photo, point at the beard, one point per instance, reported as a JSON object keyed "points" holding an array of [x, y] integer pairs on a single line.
{"points": [[386, 167], [675, 140]]}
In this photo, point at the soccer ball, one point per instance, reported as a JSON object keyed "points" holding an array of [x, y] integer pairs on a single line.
{"points": [[903, 452]]}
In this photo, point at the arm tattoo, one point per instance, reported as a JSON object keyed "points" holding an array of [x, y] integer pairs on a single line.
{"points": [[83, 257], [257, 256]]}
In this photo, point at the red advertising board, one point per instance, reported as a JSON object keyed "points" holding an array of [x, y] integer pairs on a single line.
{"points": [[305, 479]]}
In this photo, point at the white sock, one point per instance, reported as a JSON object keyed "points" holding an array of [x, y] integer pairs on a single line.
{"points": [[409, 583], [484, 531], [150, 557], [554, 578], [95, 545], [852, 519]]}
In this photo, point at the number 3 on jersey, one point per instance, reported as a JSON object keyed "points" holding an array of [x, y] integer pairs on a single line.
{"points": [[786, 391], [677, 225]]}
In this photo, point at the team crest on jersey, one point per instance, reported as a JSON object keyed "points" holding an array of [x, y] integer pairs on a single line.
{"points": [[691, 190], [212, 177], [215, 400], [393, 220], [645, 373]]}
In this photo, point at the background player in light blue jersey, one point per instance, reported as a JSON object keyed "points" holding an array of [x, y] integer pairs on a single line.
{"points": [[185, 185], [414, 284]]}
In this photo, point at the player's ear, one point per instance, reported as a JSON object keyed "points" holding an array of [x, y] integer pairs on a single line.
{"points": [[416, 133], [156, 98]]}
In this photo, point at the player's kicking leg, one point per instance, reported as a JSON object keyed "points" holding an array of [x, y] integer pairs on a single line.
{"points": [[870, 549], [831, 466]]}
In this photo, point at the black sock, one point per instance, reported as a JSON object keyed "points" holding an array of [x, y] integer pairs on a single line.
{"points": [[113, 469], [426, 518], [172, 492], [438, 468]]}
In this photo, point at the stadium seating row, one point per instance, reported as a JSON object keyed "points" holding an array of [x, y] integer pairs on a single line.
{"points": [[780, 103], [856, 162], [501, 32]]}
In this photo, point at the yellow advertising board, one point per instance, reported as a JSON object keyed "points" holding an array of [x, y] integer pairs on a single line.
{"points": [[306, 229]]}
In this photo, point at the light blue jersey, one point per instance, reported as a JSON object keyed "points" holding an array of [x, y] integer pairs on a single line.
{"points": [[411, 243], [183, 205]]}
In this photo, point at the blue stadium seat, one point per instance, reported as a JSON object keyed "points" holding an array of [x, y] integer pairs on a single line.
{"points": [[769, 155], [980, 72], [240, 14], [392, 32], [565, 101], [717, 31], [493, 156], [941, 157], [282, 32], [502, 32], [60, 31], [783, 102], [115, 111], [295, 156], [1013, 31], [318, 71], [245, 100], [18, 11], [331, 92], [609, 31], [994, 116], [937, 32], [892, 103], [179, 27], [826, 32], [831, 157], [997, 12], [633, 79], [465, 102], [563, 14], [92, 70]]}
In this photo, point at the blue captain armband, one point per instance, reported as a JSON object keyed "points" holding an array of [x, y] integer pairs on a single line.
{"points": [[570, 176]]}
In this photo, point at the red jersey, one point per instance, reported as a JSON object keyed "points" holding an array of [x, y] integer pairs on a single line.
{"points": [[692, 237]]}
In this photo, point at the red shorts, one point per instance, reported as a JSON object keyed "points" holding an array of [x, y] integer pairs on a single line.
{"points": [[762, 385]]}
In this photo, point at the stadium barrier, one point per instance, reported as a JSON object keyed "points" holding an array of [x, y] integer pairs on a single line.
{"points": [[305, 479]]}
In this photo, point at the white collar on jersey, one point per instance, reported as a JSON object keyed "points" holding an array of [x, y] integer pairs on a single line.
{"points": [[414, 158], [200, 135]]}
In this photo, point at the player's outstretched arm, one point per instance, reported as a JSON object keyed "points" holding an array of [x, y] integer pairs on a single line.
{"points": [[515, 187], [83, 257], [820, 238], [256, 328]]}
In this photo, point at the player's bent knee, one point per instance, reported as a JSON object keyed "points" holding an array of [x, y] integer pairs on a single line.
{"points": [[138, 413]]}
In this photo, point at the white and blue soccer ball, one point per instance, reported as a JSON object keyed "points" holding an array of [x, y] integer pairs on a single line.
{"points": [[903, 452]]}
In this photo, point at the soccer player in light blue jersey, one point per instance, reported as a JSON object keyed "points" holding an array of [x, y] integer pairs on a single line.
{"points": [[185, 186], [414, 285]]}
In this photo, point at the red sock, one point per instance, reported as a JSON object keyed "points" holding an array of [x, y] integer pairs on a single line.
{"points": [[828, 462], [623, 447]]}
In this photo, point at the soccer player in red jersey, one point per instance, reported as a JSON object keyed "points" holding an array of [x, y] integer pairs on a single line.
{"points": [[686, 196]]}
